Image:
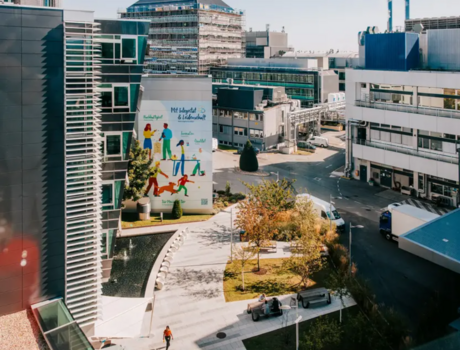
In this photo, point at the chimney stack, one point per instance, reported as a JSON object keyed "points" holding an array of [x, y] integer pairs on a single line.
{"points": [[407, 9], [390, 16]]}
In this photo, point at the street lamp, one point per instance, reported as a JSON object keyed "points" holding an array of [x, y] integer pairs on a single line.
{"points": [[277, 175], [298, 319], [349, 244], [231, 232]]}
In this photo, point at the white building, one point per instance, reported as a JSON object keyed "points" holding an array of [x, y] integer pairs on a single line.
{"points": [[405, 125]]}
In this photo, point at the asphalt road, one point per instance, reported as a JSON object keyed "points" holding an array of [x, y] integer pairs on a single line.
{"points": [[399, 279]]}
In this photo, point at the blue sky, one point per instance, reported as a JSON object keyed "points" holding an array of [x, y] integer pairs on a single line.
{"points": [[312, 24]]}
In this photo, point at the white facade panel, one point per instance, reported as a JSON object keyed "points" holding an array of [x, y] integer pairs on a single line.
{"points": [[443, 49]]}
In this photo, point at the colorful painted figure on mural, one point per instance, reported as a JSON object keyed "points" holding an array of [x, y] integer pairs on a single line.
{"points": [[181, 163], [169, 188], [166, 136], [197, 169], [153, 180], [148, 133], [182, 182]]}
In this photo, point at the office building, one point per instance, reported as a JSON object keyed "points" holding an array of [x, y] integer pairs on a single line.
{"points": [[46, 3], [67, 80], [337, 62], [301, 79], [266, 44], [405, 115], [244, 112], [189, 36]]}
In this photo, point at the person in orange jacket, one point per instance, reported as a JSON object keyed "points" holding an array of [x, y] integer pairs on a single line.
{"points": [[168, 336]]}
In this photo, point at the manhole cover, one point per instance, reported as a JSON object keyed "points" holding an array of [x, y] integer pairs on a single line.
{"points": [[221, 335]]}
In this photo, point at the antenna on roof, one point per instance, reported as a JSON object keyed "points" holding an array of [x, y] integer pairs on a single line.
{"points": [[268, 27], [283, 30]]}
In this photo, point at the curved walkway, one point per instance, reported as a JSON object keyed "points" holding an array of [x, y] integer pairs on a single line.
{"points": [[192, 302]]}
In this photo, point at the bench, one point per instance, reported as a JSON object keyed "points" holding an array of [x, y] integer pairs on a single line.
{"points": [[313, 296], [269, 246], [257, 309]]}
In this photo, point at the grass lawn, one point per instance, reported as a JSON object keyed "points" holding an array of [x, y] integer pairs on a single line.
{"points": [[131, 220], [276, 281], [230, 149], [276, 340]]}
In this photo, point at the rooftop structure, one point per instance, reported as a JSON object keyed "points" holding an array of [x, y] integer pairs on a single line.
{"points": [[266, 44], [429, 23], [437, 241], [189, 36]]}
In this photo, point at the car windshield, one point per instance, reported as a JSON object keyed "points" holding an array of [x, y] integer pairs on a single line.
{"points": [[336, 215]]}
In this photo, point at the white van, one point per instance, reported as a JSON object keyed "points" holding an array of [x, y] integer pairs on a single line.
{"points": [[214, 144], [326, 211], [319, 141]]}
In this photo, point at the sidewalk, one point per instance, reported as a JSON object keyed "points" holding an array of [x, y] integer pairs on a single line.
{"points": [[193, 304]]}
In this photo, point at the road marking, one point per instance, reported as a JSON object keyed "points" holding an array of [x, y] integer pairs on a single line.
{"points": [[317, 179], [328, 166]]}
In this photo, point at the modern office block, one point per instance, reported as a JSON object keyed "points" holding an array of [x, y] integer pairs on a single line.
{"points": [[56, 81], [266, 44], [189, 36]]}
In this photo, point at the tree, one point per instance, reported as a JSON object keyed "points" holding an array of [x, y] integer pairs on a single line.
{"points": [[139, 172], [276, 196], [338, 284], [255, 220], [306, 256], [248, 159], [324, 334], [176, 210], [242, 255]]}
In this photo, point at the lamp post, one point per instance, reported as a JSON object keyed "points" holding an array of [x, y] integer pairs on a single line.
{"points": [[298, 319], [231, 232], [349, 245]]}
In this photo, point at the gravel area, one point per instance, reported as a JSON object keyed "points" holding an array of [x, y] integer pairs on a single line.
{"points": [[20, 331]]}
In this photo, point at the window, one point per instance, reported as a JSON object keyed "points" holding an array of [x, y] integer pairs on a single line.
{"points": [[113, 145], [128, 50], [225, 129], [121, 96], [256, 133], [375, 175], [106, 97], [421, 182], [107, 194], [241, 131], [107, 50], [323, 214]]}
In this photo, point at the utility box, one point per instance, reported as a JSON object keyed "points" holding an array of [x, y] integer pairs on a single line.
{"points": [[392, 51]]}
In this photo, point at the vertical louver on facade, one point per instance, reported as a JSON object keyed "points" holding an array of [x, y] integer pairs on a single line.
{"points": [[82, 171]]}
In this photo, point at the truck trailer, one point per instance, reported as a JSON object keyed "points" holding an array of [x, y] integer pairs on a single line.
{"points": [[402, 219]]}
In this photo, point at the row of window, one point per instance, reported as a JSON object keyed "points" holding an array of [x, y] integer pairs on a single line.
{"points": [[115, 145], [227, 130], [278, 77], [237, 115], [111, 194]]}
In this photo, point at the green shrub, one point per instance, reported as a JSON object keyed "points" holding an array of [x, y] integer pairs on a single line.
{"points": [[226, 203], [221, 193], [176, 210], [248, 159]]}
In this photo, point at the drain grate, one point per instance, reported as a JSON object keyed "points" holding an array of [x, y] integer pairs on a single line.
{"points": [[221, 335]]}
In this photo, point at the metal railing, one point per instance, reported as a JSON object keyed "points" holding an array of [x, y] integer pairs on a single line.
{"points": [[438, 156], [396, 107]]}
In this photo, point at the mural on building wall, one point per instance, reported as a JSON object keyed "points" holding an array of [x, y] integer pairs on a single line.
{"points": [[178, 135]]}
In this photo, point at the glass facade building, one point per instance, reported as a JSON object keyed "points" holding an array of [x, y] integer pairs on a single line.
{"points": [[68, 101]]}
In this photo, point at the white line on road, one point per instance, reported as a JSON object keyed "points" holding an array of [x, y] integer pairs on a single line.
{"points": [[328, 166]]}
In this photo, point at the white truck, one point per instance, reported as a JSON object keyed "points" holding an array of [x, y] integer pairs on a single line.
{"points": [[403, 219], [326, 210]]}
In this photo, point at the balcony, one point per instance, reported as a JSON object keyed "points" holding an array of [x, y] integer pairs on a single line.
{"points": [[432, 163], [396, 107]]}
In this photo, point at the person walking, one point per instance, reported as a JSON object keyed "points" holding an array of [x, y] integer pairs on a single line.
{"points": [[168, 336], [166, 136]]}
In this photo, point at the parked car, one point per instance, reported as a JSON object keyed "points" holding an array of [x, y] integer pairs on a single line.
{"points": [[319, 141], [306, 146]]}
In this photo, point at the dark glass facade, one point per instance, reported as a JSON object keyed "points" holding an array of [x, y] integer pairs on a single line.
{"points": [[32, 214], [123, 50]]}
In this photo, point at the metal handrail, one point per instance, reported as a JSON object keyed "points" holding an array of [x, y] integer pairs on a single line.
{"points": [[442, 157], [396, 107]]}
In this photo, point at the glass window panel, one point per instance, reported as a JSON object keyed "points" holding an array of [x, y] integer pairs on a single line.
{"points": [[104, 243], [106, 97], [69, 337], [113, 145], [118, 192], [396, 138], [107, 193], [134, 96], [436, 145], [128, 48], [117, 50], [107, 50], [126, 141], [53, 315], [435, 188], [121, 96], [111, 235]]}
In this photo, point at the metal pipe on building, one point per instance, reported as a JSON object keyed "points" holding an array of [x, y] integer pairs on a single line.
{"points": [[390, 16], [407, 9]]}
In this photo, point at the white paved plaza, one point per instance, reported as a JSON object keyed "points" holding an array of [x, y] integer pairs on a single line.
{"points": [[193, 304]]}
